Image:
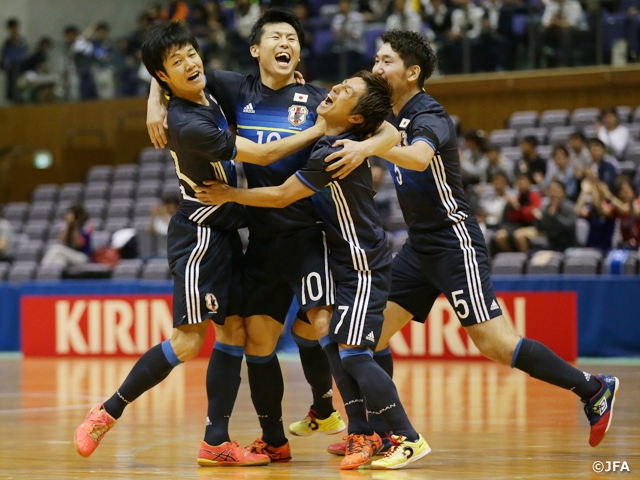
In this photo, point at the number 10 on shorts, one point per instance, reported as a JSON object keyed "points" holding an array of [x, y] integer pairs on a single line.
{"points": [[312, 286]]}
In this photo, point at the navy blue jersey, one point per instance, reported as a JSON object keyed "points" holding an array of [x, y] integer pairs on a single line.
{"points": [[354, 231], [203, 148], [264, 115], [434, 198]]}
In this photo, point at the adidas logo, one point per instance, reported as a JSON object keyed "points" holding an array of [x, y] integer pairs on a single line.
{"points": [[208, 421], [329, 394], [248, 109], [494, 306], [587, 376], [370, 337]]}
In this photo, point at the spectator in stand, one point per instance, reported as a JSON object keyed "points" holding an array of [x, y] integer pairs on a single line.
{"points": [[562, 21], [78, 74], [531, 163], [6, 239], [75, 240], [404, 17], [245, 15], [494, 198], [604, 166], [216, 53], [37, 81], [579, 153], [160, 216], [301, 11], [437, 15], [561, 170], [614, 136], [14, 52], [375, 10], [596, 210], [625, 207], [176, 10], [198, 21], [497, 162], [473, 161], [104, 52], [154, 12], [348, 36], [466, 25], [487, 50], [518, 215], [557, 220]]}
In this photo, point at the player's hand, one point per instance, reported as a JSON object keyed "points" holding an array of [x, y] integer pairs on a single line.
{"points": [[299, 78], [157, 124], [212, 192], [351, 157]]}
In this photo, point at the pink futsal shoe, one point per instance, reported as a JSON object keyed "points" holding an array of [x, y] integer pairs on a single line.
{"points": [[90, 432]]}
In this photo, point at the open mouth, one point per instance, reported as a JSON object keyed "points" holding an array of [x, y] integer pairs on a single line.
{"points": [[327, 102], [194, 76], [283, 58]]}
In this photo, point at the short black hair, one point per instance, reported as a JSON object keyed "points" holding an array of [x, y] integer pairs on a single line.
{"points": [[13, 22], [159, 40], [171, 199], [557, 147], [597, 141], [275, 15], [413, 49], [374, 105], [530, 139], [579, 135], [561, 183], [71, 29]]}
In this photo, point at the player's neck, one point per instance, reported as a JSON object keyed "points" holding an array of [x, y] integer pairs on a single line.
{"points": [[336, 129], [275, 82], [195, 97], [401, 98]]}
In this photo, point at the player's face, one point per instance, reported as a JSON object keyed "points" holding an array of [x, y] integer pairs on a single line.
{"points": [[389, 65], [184, 71], [279, 50], [342, 99]]}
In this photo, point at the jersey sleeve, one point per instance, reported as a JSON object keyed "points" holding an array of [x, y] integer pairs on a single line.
{"points": [[314, 174], [430, 128], [225, 86], [207, 139]]}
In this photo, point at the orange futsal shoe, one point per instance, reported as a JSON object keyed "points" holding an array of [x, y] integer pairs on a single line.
{"points": [[90, 432], [276, 454], [229, 454], [360, 450]]}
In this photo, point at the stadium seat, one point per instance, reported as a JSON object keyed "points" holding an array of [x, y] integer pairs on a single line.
{"points": [[508, 263], [120, 207], [636, 115], [633, 154], [71, 192], [561, 134], [4, 270], [624, 114], [621, 262], [127, 269], [45, 193], [100, 239], [95, 208], [539, 132], [582, 117], [127, 171], [156, 271], [519, 120], [40, 211], [148, 189], [88, 270], [170, 188], [589, 131], [322, 42], [634, 131], [503, 138], [151, 171], [545, 262], [398, 239], [36, 230], [170, 173], [55, 228], [16, 211], [16, 226], [371, 35], [628, 167], [544, 151], [143, 207], [97, 191], [122, 189], [154, 155], [512, 153], [29, 251], [145, 239], [579, 265], [22, 271], [554, 118], [99, 173], [49, 272], [116, 223]]}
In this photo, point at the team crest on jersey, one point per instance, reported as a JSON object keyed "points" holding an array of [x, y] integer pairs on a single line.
{"points": [[404, 123], [211, 302], [297, 115]]}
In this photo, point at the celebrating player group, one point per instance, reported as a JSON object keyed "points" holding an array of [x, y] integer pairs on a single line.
{"points": [[315, 234]]}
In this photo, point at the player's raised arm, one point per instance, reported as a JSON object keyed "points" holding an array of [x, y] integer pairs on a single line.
{"points": [[414, 157], [215, 193], [267, 153], [157, 115], [354, 153]]}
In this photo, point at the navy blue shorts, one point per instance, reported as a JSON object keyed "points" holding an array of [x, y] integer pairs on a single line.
{"points": [[452, 261], [361, 297], [206, 265], [279, 267]]}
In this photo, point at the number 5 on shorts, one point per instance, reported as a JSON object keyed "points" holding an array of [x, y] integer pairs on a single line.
{"points": [[460, 302], [344, 310]]}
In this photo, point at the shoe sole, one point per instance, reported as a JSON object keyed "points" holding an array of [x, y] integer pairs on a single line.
{"points": [[354, 467], [613, 402], [203, 462], [326, 432], [402, 465], [75, 443]]}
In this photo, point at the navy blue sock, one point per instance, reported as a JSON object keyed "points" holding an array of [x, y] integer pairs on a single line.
{"points": [[540, 362], [379, 389], [223, 382], [315, 366], [267, 390], [377, 422], [150, 369], [349, 390]]}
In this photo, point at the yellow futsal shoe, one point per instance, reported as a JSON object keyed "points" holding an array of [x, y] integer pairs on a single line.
{"points": [[312, 424], [402, 453]]}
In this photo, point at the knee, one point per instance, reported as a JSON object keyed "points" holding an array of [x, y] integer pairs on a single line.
{"points": [[499, 349], [260, 344], [186, 347], [233, 332]]}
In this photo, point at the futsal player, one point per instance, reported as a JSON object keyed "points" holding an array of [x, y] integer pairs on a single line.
{"points": [[267, 108], [360, 261], [204, 250], [445, 250]]}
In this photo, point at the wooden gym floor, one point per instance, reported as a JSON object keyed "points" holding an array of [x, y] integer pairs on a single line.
{"points": [[483, 421]]}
